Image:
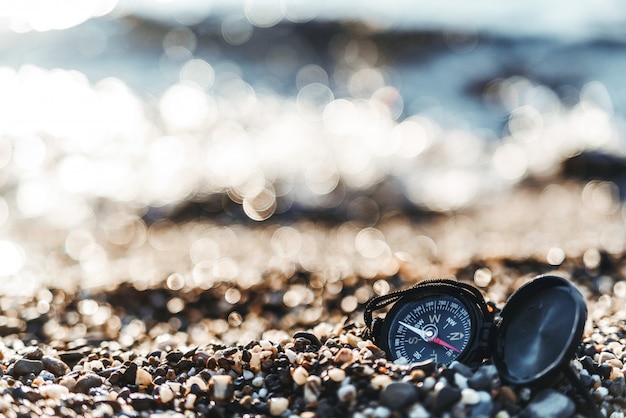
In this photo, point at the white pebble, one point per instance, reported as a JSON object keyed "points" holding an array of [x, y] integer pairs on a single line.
{"points": [[221, 385], [247, 375], [299, 375], [380, 381], [460, 380], [382, 412], [196, 380], [502, 414], [190, 401], [291, 355], [143, 379], [346, 393], [53, 391], [418, 411], [258, 381], [166, 394], [278, 405], [469, 396], [336, 375]]}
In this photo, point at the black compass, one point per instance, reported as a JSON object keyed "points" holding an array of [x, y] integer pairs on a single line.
{"points": [[441, 320], [535, 334], [531, 341]]}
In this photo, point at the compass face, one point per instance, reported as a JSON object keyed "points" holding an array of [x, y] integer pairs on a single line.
{"points": [[435, 327]]}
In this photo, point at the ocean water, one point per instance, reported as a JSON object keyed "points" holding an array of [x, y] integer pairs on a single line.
{"points": [[118, 116]]}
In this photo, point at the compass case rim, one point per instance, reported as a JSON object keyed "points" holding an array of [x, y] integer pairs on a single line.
{"points": [[544, 318]]}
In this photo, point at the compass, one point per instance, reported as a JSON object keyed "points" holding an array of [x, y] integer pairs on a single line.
{"points": [[436, 327], [537, 332], [438, 320]]}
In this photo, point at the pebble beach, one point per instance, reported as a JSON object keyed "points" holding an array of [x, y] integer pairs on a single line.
{"points": [[197, 205]]}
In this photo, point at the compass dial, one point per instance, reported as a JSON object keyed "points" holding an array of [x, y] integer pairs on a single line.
{"points": [[436, 327]]}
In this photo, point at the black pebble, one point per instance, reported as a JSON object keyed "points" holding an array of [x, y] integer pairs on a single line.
{"points": [[445, 398], [22, 367], [399, 395], [86, 382], [309, 336]]}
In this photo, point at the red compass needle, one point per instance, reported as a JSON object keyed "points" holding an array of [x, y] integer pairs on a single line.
{"points": [[441, 342]]}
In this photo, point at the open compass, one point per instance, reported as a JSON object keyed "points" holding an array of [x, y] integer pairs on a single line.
{"points": [[535, 335]]}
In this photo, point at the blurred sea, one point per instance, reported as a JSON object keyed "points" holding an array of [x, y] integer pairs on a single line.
{"points": [[118, 116]]}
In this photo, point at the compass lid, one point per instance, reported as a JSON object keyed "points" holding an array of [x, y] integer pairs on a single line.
{"points": [[541, 329]]}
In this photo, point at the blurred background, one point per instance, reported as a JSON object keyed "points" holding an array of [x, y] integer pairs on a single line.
{"points": [[191, 143]]}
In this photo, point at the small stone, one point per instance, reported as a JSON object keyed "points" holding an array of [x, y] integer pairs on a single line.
{"points": [[309, 336], [258, 381], [605, 356], [190, 401], [221, 388], [55, 366], [346, 393], [398, 395], [469, 396], [299, 375], [198, 381], [291, 355], [247, 375], [380, 381], [617, 386], [344, 356], [22, 367], [336, 375], [507, 395], [278, 405], [86, 382], [54, 391], [485, 378], [484, 406], [382, 412], [445, 397], [461, 368], [166, 394], [418, 411], [143, 379], [33, 353], [312, 390], [548, 403]]}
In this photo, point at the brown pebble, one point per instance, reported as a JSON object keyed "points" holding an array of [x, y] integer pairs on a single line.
{"points": [[55, 366], [343, 356]]}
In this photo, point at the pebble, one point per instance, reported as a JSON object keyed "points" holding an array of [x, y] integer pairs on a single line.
{"points": [[143, 378], [278, 405], [312, 390], [221, 388], [399, 395], [380, 381], [469, 396], [54, 391], [336, 375], [299, 375], [344, 356], [617, 387], [166, 394], [55, 366], [86, 382], [548, 403], [347, 393], [23, 366], [445, 397]]}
